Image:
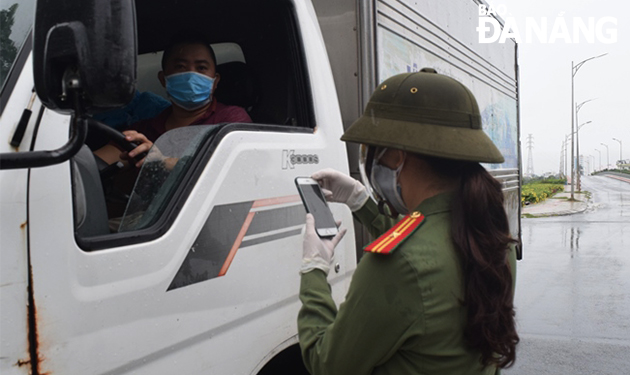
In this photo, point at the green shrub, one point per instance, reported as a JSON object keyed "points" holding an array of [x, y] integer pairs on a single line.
{"points": [[538, 192]]}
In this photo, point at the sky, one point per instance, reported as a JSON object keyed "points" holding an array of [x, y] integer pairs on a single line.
{"points": [[545, 79]]}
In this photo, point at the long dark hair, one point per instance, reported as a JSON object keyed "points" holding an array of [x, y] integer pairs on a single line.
{"points": [[481, 234]]}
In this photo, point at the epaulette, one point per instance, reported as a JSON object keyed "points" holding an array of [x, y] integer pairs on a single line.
{"points": [[389, 241]]}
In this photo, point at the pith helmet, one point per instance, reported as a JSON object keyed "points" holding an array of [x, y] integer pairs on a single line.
{"points": [[425, 113]]}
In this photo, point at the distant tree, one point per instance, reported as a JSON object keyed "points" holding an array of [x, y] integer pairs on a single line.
{"points": [[8, 50]]}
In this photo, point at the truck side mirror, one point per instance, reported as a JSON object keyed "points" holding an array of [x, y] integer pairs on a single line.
{"points": [[84, 61], [91, 43]]}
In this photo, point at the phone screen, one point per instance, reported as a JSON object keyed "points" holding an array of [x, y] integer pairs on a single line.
{"points": [[315, 203]]}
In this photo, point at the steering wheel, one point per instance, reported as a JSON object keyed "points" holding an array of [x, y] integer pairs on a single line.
{"points": [[115, 136]]}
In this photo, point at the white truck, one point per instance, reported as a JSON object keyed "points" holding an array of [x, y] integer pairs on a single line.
{"points": [[199, 274]]}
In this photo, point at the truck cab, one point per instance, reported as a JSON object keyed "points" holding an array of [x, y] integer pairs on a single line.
{"points": [[200, 273]]}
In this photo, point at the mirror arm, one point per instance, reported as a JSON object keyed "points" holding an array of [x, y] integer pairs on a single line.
{"points": [[78, 133]]}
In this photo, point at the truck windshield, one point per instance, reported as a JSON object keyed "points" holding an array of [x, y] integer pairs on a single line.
{"points": [[16, 20]]}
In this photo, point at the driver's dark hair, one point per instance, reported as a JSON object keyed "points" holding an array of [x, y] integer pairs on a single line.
{"points": [[187, 36]]}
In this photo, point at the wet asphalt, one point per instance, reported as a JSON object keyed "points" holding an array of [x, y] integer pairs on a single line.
{"points": [[573, 287]]}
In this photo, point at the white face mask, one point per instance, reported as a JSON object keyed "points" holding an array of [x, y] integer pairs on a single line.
{"points": [[385, 182]]}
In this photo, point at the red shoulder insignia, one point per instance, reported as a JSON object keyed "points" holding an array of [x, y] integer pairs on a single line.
{"points": [[389, 241]]}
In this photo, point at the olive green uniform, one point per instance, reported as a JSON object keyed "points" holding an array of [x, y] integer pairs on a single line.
{"points": [[403, 313]]}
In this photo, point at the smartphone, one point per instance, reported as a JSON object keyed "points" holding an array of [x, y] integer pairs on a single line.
{"points": [[315, 203]]}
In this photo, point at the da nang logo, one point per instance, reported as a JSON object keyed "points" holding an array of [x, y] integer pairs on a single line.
{"points": [[544, 30]]}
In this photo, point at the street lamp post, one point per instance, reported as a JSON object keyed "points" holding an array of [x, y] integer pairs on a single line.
{"points": [[574, 70], [566, 165], [561, 169], [607, 156], [600, 159], [620, 154], [577, 144]]}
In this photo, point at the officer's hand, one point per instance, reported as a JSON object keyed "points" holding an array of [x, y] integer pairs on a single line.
{"points": [[144, 145], [341, 188], [317, 252]]}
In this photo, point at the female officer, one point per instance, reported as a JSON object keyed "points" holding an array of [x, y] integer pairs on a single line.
{"points": [[433, 293]]}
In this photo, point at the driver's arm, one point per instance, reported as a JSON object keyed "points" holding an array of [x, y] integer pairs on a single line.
{"points": [[109, 153]]}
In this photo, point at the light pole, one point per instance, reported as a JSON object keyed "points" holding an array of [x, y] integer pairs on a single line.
{"points": [[620, 154], [566, 166], [561, 169], [600, 159], [577, 144], [574, 70], [607, 155]]}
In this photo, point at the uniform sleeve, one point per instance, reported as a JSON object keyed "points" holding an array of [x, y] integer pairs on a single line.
{"points": [[375, 222], [382, 310]]}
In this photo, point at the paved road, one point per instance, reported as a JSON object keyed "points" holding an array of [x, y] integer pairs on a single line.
{"points": [[573, 288]]}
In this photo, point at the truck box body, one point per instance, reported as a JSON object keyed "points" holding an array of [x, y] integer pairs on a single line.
{"points": [[398, 36], [200, 273]]}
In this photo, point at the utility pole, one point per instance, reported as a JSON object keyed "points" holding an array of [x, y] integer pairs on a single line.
{"points": [[530, 160]]}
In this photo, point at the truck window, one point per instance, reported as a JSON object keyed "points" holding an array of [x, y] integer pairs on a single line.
{"points": [[16, 19], [263, 69], [265, 34], [169, 159]]}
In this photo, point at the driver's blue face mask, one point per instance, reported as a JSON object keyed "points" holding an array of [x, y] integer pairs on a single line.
{"points": [[189, 90]]}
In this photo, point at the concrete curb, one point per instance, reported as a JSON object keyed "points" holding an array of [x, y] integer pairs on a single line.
{"points": [[616, 177], [555, 213], [548, 209]]}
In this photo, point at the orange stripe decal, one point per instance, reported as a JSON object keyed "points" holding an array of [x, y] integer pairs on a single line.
{"points": [[237, 243], [248, 220], [276, 201]]}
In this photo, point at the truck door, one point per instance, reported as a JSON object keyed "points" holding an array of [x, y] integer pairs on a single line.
{"points": [[200, 272]]}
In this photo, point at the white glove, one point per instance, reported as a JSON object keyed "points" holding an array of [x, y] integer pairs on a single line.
{"points": [[317, 252], [341, 188]]}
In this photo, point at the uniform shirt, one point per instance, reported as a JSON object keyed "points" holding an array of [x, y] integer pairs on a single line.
{"points": [[403, 312], [217, 113]]}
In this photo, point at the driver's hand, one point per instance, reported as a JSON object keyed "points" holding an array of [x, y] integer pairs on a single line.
{"points": [[144, 145]]}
